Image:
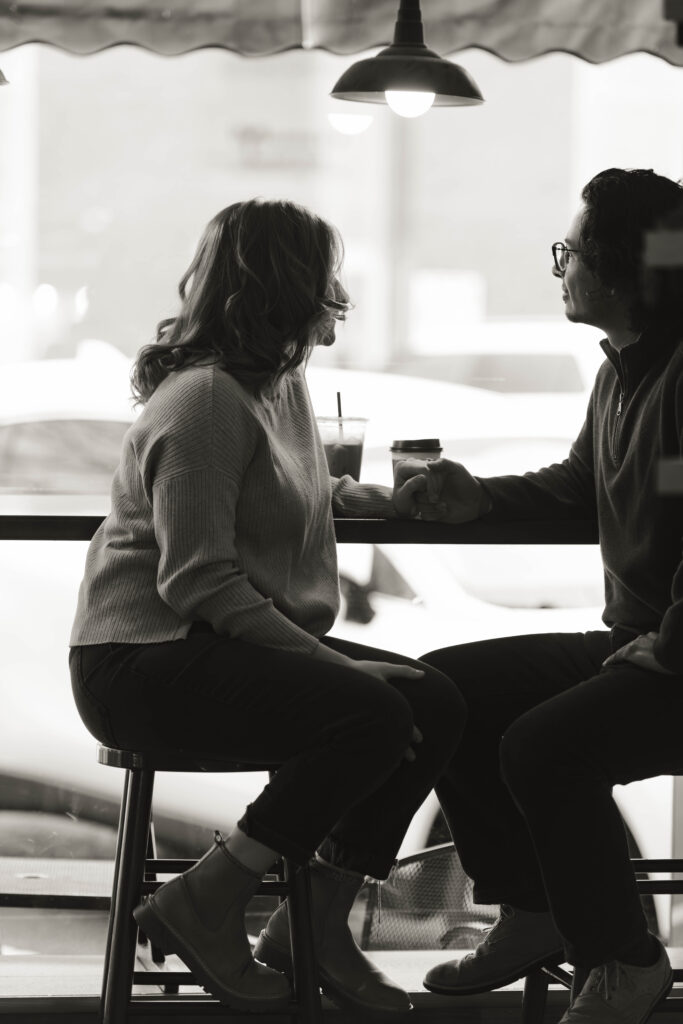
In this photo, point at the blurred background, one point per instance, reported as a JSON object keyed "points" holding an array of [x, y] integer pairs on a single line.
{"points": [[110, 166]]}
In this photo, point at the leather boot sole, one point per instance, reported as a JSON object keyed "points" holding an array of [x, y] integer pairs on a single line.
{"points": [[500, 982], [273, 955], [168, 941]]}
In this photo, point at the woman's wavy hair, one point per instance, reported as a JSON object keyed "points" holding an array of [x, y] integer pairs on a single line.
{"points": [[620, 207], [261, 291]]}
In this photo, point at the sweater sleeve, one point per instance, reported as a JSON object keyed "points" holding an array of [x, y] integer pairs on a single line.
{"points": [[565, 490], [352, 500], [199, 572]]}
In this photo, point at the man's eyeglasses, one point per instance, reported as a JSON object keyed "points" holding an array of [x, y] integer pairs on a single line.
{"points": [[560, 251]]}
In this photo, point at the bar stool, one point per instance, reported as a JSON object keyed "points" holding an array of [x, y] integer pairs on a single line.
{"points": [[135, 871], [536, 983]]}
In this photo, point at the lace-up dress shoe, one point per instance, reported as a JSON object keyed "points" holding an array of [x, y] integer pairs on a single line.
{"points": [[518, 942], [617, 993], [200, 916], [347, 977]]}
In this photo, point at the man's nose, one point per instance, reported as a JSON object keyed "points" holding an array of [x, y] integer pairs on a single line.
{"points": [[556, 272]]}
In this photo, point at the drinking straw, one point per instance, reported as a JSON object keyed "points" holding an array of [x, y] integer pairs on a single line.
{"points": [[339, 414]]}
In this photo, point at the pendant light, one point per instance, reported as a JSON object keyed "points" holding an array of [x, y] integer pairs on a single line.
{"points": [[407, 75]]}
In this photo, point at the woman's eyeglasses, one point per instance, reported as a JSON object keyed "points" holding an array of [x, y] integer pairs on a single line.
{"points": [[560, 251]]}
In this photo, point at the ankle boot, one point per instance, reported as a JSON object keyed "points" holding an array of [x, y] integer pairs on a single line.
{"points": [[347, 977], [199, 915]]}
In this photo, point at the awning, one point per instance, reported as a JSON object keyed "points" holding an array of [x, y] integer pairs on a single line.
{"points": [[596, 30]]}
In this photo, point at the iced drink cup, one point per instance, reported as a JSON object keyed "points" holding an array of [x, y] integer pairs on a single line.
{"points": [[342, 438], [423, 449]]}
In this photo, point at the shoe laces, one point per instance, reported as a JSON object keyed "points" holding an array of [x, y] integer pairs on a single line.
{"points": [[607, 979], [496, 931]]}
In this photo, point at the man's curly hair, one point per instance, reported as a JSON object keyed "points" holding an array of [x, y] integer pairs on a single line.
{"points": [[620, 207]]}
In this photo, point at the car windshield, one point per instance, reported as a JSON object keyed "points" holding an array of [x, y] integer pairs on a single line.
{"points": [[74, 456]]}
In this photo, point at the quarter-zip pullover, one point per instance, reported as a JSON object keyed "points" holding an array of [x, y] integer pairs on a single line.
{"points": [[634, 419]]}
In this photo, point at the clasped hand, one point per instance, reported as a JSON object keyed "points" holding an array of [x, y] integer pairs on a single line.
{"points": [[439, 491]]}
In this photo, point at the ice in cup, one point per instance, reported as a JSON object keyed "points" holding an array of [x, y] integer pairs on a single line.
{"points": [[423, 449], [342, 438]]}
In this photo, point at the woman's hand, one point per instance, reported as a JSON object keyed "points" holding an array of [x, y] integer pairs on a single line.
{"points": [[386, 670], [383, 670]]}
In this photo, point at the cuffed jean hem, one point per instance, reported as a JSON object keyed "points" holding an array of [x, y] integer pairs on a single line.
{"points": [[521, 899], [275, 840], [338, 856], [621, 937]]}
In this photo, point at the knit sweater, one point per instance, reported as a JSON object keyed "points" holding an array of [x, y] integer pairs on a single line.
{"points": [[634, 419], [221, 511]]}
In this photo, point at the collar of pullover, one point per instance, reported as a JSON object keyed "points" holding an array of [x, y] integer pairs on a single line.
{"points": [[635, 360]]}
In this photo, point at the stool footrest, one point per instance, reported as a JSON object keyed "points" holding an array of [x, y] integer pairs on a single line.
{"points": [[164, 978], [274, 888]]}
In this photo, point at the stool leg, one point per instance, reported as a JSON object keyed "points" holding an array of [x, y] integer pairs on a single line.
{"points": [[534, 997], [306, 984], [114, 888], [579, 979], [150, 876], [134, 832]]}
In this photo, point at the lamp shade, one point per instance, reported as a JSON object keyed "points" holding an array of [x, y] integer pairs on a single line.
{"points": [[407, 69], [408, 66]]}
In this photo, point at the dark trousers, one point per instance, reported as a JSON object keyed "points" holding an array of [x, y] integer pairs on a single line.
{"points": [[528, 795], [344, 785]]}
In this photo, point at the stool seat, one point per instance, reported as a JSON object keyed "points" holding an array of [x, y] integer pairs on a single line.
{"points": [[135, 874], [176, 761]]}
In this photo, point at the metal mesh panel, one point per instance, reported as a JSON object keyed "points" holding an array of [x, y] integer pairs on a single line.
{"points": [[426, 903]]}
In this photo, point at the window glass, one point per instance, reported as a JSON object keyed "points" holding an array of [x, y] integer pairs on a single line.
{"points": [[110, 167]]}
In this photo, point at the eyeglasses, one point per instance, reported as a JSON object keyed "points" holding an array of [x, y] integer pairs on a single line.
{"points": [[560, 251]]}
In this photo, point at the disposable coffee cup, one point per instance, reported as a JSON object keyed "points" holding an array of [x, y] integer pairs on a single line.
{"points": [[342, 438], [423, 449]]}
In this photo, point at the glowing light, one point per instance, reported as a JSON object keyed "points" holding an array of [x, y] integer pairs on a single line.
{"points": [[350, 124], [45, 300], [81, 303], [409, 104]]}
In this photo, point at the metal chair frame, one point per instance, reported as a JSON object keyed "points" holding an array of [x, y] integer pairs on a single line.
{"points": [[135, 874], [537, 982]]}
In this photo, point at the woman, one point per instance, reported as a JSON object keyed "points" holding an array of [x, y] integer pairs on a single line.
{"points": [[208, 594]]}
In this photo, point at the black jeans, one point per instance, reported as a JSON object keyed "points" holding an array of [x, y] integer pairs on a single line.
{"points": [[344, 785], [528, 795]]}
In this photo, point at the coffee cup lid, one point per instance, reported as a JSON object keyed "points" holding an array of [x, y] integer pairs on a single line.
{"points": [[420, 444]]}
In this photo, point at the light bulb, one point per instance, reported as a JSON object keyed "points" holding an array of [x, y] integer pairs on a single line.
{"points": [[409, 104], [350, 124]]}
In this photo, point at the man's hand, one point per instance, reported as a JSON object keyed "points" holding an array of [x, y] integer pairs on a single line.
{"points": [[450, 493], [640, 652]]}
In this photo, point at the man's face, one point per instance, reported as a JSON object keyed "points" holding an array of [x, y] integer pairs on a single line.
{"points": [[586, 300]]}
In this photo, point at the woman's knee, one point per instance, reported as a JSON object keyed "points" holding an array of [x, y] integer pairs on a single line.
{"points": [[383, 718], [439, 705]]}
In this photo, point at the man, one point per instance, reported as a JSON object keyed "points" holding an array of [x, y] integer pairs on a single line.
{"points": [[555, 721]]}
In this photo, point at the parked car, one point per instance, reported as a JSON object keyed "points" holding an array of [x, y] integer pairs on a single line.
{"points": [[61, 426]]}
